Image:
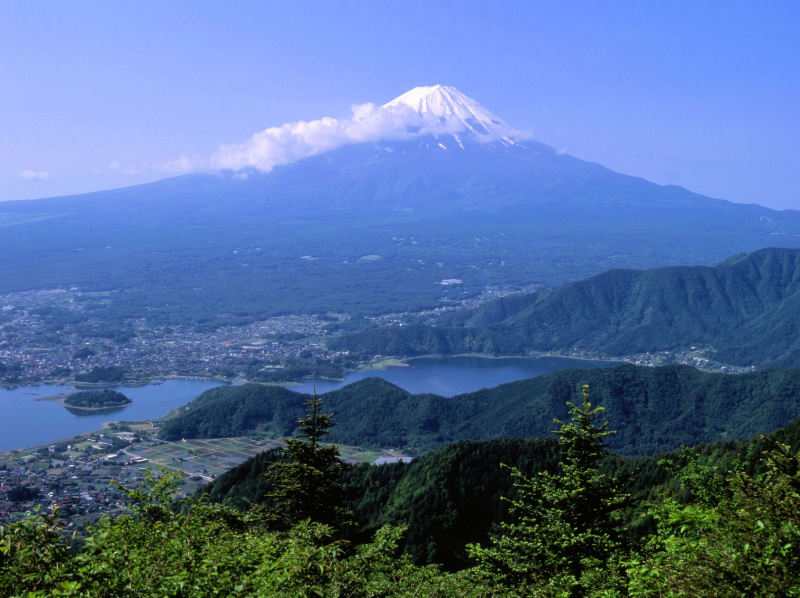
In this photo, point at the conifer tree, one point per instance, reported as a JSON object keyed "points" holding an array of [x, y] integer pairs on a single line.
{"points": [[564, 524], [307, 483], [738, 535]]}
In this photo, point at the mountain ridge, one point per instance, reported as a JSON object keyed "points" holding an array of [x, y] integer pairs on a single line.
{"points": [[653, 409], [743, 311]]}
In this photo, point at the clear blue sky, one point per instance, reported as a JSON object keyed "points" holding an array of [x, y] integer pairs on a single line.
{"points": [[703, 94]]}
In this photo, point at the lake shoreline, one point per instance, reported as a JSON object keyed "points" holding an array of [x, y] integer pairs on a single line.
{"points": [[614, 360], [447, 376], [388, 362], [382, 364], [36, 415]]}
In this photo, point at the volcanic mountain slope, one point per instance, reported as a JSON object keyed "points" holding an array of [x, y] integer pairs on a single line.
{"points": [[373, 225], [745, 311]]}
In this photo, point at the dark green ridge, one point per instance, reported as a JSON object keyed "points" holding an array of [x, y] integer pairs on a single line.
{"points": [[745, 311], [653, 409]]}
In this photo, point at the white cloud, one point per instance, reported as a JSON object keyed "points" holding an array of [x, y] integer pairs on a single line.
{"points": [[182, 165], [127, 169], [34, 175], [293, 141], [297, 140]]}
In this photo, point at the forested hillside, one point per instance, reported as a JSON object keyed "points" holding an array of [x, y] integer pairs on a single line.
{"points": [[451, 497], [550, 518], [655, 409], [744, 311]]}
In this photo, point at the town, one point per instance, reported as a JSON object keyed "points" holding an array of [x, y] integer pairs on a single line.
{"points": [[81, 479], [59, 335], [278, 349]]}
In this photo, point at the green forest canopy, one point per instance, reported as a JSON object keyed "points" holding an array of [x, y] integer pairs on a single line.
{"points": [[96, 399], [745, 311], [703, 525], [656, 409]]}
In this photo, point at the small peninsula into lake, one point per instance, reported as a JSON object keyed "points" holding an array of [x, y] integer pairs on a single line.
{"points": [[96, 399]]}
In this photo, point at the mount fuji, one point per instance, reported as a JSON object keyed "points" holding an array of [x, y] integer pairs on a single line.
{"points": [[452, 112], [427, 198]]}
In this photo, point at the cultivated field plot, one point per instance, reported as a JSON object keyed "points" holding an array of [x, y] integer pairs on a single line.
{"points": [[206, 458], [357, 454], [210, 457]]}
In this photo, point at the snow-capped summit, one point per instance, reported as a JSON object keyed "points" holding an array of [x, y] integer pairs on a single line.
{"points": [[448, 111], [443, 113]]}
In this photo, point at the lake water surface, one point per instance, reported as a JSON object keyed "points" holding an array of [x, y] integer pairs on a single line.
{"points": [[448, 376], [25, 421]]}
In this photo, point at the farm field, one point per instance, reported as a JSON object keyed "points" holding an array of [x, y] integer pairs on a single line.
{"points": [[208, 458]]}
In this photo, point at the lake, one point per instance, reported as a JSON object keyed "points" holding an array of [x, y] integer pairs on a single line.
{"points": [[29, 422], [448, 376]]}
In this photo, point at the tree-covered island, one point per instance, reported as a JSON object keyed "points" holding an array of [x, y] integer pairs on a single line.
{"points": [[96, 399]]}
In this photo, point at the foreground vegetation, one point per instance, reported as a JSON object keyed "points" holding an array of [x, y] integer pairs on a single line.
{"points": [[451, 497], [715, 528]]}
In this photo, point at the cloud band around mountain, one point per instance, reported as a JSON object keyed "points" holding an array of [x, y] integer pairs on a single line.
{"points": [[294, 141]]}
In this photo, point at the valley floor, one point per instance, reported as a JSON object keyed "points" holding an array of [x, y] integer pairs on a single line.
{"points": [[75, 475]]}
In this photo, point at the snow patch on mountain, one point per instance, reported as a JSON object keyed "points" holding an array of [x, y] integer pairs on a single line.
{"points": [[445, 110], [436, 110]]}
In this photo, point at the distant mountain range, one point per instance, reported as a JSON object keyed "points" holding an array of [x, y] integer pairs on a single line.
{"points": [[372, 226], [652, 409], [744, 311]]}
